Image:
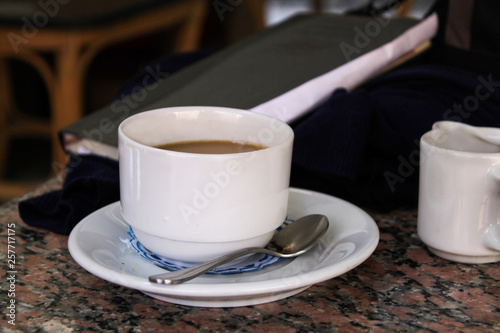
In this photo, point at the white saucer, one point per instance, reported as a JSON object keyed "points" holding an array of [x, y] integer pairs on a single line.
{"points": [[100, 244]]}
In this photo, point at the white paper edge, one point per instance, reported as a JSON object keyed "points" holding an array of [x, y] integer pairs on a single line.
{"points": [[304, 98]]}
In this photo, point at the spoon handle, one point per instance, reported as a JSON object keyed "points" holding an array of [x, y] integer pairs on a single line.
{"points": [[187, 274]]}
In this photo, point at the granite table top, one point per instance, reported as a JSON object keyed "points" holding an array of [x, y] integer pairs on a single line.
{"points": [[401, 287]]}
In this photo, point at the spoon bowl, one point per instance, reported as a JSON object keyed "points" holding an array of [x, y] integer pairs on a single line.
{"points": [[293, 240]]}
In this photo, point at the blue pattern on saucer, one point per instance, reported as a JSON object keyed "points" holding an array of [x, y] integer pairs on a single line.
{"points": [[249, 264]]}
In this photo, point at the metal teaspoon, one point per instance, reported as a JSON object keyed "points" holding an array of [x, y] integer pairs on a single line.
{"points": [[291, 241]]}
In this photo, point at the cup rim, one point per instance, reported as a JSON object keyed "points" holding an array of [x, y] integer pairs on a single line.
{"points": [[425, 139], [130, 140]]}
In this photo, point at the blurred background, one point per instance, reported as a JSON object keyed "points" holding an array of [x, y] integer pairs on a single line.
{"points": [[27, 159]]}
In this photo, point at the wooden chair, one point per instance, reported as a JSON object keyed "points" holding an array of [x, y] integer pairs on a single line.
{"points": [[73, 32]]}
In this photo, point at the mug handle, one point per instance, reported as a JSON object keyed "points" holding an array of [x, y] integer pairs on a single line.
{"points": [[491, 236]]}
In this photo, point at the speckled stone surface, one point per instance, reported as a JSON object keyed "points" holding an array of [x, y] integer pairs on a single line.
{"points": [[402, 287]]}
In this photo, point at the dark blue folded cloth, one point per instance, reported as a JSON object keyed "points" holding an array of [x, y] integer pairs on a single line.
{"points": [[91, 183], [363, 146]]}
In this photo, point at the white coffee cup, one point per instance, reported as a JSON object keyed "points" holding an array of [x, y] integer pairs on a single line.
{"points": [[194, 207], [459, 195]]}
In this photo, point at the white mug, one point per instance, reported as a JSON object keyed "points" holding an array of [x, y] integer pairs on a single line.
{"points": [[195, 207], [459, 192]]}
